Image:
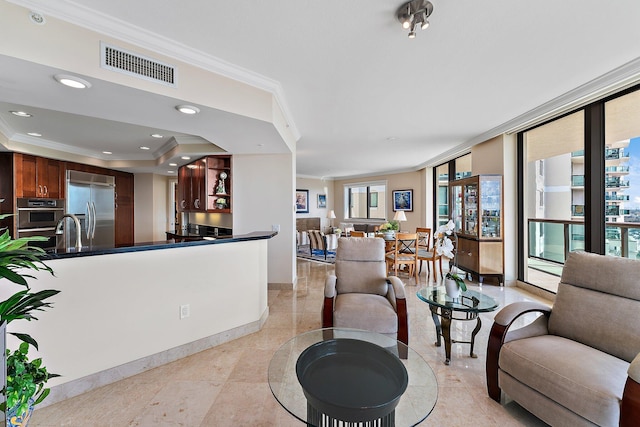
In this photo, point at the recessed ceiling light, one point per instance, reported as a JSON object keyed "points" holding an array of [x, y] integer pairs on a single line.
{"points": [[107, 152], [156, 135], [144, 148], [173, 164], [72, 81], [187, 109], [34, 134], [185, 158], [21, 113]]}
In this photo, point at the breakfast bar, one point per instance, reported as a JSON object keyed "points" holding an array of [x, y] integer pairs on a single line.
{"points": [[163, 301]]}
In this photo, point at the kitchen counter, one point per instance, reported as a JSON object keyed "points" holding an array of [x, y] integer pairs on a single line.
{"points": [[72, 252]]}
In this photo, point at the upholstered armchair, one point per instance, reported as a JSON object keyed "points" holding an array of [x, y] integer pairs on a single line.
{"points": [[578, 363], [360, 295]]}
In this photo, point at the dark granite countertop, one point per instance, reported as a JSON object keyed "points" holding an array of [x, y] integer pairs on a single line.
{"points": [[149, 246]]}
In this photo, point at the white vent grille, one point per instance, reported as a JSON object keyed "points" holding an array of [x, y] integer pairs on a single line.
{"points": [[122, 61]]}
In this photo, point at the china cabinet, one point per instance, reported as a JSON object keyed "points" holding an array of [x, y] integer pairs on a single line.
{"points": [[205, 185], [476, 209]]}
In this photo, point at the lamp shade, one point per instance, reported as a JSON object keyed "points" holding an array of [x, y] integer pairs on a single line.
{"points": [[331, 214], [399, 216]]}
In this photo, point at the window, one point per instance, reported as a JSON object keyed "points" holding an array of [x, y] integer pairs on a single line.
{"points": [[366, 200]]}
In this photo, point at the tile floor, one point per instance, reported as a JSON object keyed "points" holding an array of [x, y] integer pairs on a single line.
{"points": [[227, 385]]}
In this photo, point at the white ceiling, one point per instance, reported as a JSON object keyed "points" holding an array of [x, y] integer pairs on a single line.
{"points": [[364, 98]]}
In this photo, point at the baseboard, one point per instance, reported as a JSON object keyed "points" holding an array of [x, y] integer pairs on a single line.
{"points": [[90, 382]]}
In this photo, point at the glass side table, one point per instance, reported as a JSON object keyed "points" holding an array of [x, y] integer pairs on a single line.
{"points": [[466, 307], [413, 406]]}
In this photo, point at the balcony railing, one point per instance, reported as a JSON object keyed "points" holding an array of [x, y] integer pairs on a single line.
{"points": [[577, 180], [615, 153], [616, 197], [579, 153], [616, 169], [615, 183], [552, 240]]}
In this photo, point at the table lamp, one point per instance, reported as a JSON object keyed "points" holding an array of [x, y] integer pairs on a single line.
{"points": [[400, 217], [331, 215]]}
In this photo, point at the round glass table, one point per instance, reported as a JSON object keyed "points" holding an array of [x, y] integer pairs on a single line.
{"points": [[286, 369], [466, 307]]}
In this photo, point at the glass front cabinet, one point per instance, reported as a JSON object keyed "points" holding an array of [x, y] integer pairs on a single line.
{"points": [[476, 210]]}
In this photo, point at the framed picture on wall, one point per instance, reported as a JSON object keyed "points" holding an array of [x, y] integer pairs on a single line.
{"points": [[403, 200], [322, 200], [302, 201]]}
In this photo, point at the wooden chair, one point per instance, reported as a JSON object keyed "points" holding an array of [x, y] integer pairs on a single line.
{"points": [[404, 252], [357, 234], [426, 252]]}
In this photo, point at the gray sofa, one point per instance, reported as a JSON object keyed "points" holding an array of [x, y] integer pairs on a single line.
{"points": [[579, 363]]}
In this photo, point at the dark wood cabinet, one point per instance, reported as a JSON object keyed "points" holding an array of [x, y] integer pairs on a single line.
{"points": [[124, 209], [39, 177], [205, 185]]}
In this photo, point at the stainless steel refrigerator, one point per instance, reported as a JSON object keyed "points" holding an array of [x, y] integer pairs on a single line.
{"points": [[91, 197]]}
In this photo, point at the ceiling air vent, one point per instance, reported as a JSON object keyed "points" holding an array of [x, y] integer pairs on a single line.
{"points": [[123, 61]]}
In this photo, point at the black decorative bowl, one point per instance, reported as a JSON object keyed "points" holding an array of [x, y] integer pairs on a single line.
{"points": [[351, 380]]}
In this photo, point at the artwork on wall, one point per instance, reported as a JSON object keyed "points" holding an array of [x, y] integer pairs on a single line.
{"points": [[322, 200], [373, 199], [302, 201], [403, 200]]}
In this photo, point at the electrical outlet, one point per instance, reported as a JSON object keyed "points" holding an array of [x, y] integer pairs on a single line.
{"points": [[185, 311]]}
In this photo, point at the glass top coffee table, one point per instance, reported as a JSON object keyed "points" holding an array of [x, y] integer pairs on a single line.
{"points": [[339, 380], [466, 307]]}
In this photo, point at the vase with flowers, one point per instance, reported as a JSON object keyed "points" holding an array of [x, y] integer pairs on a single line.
{"points": [[446, 244], [389, 229]]}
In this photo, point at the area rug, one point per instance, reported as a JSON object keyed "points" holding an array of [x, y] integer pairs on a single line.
{"points": [[316, 255]]}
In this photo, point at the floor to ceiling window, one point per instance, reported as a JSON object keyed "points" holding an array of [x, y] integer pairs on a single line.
{"points": [[580, 178], [457, 168], [622, 176]]}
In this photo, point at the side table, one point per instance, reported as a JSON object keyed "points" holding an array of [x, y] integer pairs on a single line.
{"points": [[466, 307]]}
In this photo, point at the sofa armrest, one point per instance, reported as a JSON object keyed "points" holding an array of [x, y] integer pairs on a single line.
{"points": [[329, 301], [397, 298], [330, 286], [630, 405], [500, 334]]}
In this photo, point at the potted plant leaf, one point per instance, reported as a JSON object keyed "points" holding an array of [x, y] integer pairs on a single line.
{"points": [[445, 237], [25, 385], [24, 379]]}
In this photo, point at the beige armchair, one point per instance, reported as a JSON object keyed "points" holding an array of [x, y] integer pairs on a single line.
{"points": [[360, 295], [578, 364]]}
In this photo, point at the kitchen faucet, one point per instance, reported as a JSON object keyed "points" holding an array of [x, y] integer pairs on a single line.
{"points": [[76, 221]]}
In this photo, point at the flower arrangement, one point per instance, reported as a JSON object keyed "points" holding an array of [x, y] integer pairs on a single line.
{"points": [[445, 247], [390, 226]]}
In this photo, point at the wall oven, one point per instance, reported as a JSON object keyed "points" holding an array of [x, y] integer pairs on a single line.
{"points": [[39, 217]]}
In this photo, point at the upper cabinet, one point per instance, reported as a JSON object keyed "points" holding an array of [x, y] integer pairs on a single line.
{"points": [[205, 185], [38, 177], [219, 184], [476, 204]]}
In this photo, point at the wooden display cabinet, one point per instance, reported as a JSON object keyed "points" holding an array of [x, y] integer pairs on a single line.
{"points": [[476, 206], [219, 184]]}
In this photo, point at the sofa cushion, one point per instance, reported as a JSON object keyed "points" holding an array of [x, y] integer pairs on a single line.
{"points": [[580, 378], [597, 300], [378, 314]]}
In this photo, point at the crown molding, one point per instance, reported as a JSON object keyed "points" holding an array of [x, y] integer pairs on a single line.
{"points": [[82, 16]]}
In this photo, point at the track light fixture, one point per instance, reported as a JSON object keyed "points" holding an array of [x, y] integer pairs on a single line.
{"points": [[414, 14]]}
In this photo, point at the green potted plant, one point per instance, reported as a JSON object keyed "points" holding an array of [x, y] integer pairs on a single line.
{"points": [[24, 379], [453, 282], [25, 385]]}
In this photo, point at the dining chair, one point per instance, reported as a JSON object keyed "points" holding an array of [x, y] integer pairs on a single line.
{"points": [[357, 234], [404, 252], [426, 252]]}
